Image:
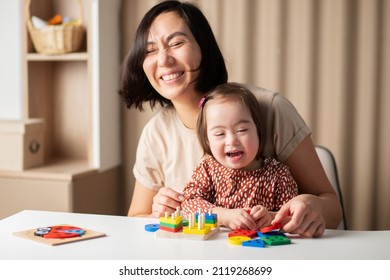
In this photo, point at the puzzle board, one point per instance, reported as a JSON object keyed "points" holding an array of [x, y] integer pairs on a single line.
{"points": [[180, 235], [29, 234]]}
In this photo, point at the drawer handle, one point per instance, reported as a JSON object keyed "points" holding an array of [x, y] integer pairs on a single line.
{"points": [[34, 147]]}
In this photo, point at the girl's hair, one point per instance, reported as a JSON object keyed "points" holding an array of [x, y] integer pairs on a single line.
{"points": [[135, 88], [228, 92]]}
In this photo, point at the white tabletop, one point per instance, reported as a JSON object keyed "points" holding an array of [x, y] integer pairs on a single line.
{"points": [[127, 240]]}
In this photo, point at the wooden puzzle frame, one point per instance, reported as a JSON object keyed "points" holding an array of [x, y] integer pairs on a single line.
{"points": [[29, 234]]}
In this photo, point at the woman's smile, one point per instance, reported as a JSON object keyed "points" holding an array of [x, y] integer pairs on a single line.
{"points": [[171, 57], [169, 77]]}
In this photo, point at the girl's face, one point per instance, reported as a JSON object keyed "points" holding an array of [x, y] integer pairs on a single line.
{"points": [[172, 57], [232, 135]]}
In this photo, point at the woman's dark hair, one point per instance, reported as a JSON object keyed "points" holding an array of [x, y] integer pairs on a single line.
{"points": [[135, 88], [229, 92]]}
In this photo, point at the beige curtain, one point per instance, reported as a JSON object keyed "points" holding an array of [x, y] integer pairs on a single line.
{"points": [[331, 58]]}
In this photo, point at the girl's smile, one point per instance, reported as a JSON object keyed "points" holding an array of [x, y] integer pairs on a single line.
{"points": [[232, 135]]}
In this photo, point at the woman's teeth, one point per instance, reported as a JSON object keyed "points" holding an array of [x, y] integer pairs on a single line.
{"points": [[171, 76]]}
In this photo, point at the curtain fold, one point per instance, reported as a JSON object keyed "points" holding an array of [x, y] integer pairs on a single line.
{"points": [[331, 58]]}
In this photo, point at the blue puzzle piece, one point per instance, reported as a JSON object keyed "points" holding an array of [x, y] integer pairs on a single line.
{"points": [[152, 227], [209, 218], [254, 243], [77, 231]]}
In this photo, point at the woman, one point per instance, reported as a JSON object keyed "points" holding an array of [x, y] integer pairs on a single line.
{"points": [[173, 61]]}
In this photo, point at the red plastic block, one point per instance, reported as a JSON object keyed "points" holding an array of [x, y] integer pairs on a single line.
{"points": [[271, 228], [243, 232], [171, 229]]}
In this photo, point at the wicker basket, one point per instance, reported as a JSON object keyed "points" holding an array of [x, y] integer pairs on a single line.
{"points": [[56, 39]]}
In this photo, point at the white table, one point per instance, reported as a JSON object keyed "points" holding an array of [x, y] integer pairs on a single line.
{"points": [[127, 240]]}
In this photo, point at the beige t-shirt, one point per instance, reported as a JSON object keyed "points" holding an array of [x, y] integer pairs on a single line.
{"points": [[168, 152]]}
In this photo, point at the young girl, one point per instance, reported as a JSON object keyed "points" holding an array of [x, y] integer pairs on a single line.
{"points": [[234, 179]]}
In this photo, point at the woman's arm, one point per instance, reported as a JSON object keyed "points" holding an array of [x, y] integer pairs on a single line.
{"points": [[141, 202], [148, 203], [317, 207]]}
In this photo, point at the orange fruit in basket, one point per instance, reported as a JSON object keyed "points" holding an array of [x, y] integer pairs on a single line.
{"points": [[57, 19]]}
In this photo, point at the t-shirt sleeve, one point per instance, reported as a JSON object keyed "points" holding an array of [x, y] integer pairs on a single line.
{"points": [[167, 152], [283, 129], [286, 127], [146, 168]]}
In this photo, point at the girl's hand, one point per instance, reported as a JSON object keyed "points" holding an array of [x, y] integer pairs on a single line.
{"points": [[235, 218], [302, 215], [166, 200], [261, 215]]}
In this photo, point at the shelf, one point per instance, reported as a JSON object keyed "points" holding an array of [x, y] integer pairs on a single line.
{"points": [[58, 169], [79, 56], [74, 95]]}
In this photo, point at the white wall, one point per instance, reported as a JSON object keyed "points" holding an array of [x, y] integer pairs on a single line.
{"points": [[11, 59]]}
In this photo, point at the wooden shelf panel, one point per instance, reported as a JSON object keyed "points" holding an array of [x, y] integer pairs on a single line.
{"points": [[77, 56], [57, 169]]}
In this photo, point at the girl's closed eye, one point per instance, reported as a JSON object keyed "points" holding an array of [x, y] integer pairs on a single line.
{"points": [[219, 134], [242, 130]]}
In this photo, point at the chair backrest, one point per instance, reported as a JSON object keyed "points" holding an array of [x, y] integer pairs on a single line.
{"points": [[328, 162]]}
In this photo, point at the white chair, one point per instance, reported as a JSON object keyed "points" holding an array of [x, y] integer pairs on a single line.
{"points": [[329, 163]]}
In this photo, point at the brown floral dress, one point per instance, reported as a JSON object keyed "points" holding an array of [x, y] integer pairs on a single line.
{"points": [[213, 185]]}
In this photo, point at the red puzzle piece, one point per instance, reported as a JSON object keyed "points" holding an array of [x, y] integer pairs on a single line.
{"points": [[271, 228], [243, 232], [59, 232]]}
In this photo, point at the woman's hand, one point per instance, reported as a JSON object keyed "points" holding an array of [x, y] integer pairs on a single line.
{"points": [[166, 200], [302, 215]]}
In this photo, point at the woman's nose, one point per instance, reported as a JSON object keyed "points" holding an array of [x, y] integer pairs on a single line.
{"points": [[165, 58]]}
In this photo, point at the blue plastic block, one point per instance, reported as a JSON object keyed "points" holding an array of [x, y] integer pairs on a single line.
{"points": [[254, 243], [152, 227]]}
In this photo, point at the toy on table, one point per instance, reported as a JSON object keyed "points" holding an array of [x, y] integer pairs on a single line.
{"points": [[173, 223], [271, 235], [243, 232], [152, 227], [270, 228], [199, 226], [202, 226], [58, 234]]}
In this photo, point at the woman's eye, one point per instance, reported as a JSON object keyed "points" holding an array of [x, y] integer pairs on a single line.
{"points": [[150, 51], [242, 130], [176, 44]]}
